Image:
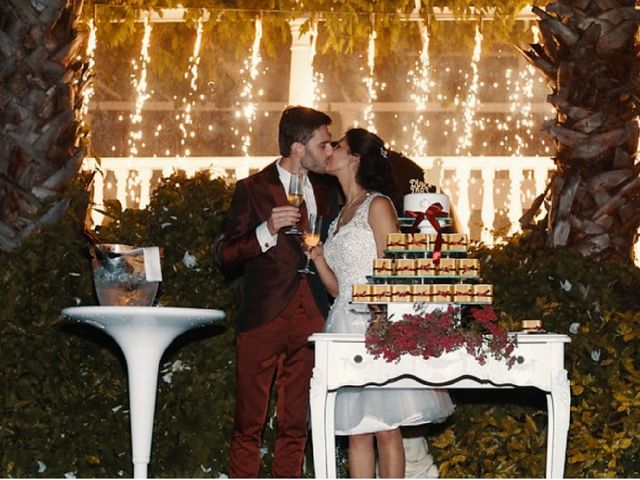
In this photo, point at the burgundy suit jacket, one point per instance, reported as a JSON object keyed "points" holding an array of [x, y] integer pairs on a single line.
{"points": [[266, 282]]}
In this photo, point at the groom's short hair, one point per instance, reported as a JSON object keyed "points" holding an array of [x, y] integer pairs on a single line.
{"points": [[297, 124]]}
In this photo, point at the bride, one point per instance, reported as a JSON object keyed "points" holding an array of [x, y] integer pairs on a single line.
{"points": [[358, 236]]}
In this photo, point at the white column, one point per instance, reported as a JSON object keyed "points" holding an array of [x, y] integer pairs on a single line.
{"points": [[515, 199], [190, 171], [121, 175], [242, 168], [462, 208], [540, 176], [301, 73], [168, 170], [98, 197], [144, 175], [488, 208]]}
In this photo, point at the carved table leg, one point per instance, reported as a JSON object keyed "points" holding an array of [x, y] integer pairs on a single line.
{"points": [[318, 400], [561, 399], [551, 419], [330, 436]]}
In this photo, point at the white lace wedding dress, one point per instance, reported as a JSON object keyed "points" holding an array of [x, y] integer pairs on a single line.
{"points": [[350, 253]]}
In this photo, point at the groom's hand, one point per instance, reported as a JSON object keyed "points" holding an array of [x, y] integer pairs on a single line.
{"points": [[282, 217]]}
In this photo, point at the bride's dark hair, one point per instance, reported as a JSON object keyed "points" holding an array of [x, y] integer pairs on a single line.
{"points": [[374, 172]]}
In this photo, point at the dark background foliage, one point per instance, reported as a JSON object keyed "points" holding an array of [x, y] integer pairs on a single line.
{"points": [[64, 396], [596, 304]]}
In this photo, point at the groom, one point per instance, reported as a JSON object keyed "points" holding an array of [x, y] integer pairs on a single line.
{"points": [[279, 308]]}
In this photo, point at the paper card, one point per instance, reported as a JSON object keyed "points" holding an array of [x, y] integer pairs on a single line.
{"points": [[152, 269]]}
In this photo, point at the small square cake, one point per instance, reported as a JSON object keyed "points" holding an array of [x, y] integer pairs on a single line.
{"points": [[442, 293], [468, 267], [380, 293], [425, 267], [396, 241], [383, 266], [421, 293], [404, 267], [447, 267], [483, 293], [431, 241], [417, 241], [463, 293], [457, 241], [401, 293], [361, 292]]}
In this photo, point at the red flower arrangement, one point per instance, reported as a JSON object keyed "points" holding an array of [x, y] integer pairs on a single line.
{"points": [[430, 334]]}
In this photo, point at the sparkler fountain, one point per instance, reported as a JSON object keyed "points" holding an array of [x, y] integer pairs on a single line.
{"points": [[251, 74], [188, 102], [140, 86], [418, 78], [472, 102], [89, 90], [370, 82]]}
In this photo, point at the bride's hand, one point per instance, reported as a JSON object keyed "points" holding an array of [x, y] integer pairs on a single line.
{"points": [[316, 253]]}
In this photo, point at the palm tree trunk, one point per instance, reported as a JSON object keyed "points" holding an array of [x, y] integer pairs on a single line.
{"points": [[41, 140], [589, 55]]}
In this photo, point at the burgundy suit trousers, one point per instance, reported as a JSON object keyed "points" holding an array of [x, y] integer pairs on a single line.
{"points": [[279, 348]]}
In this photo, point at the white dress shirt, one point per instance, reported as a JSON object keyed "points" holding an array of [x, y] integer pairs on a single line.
{"points": [[265, 238]]}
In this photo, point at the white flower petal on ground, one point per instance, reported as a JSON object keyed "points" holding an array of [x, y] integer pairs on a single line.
{"points": [[205, 469], [167, 377], [42, 467], [189, 260], [566, 285], [70, 475], [179, 366], [573, 328], [595, 355]]}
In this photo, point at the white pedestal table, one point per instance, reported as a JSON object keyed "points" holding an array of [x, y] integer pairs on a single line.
{"points": [[342, 360], [143, 334]]}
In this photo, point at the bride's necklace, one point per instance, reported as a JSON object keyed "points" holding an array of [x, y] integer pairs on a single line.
{"points": [[344, 217], [362, 196]]}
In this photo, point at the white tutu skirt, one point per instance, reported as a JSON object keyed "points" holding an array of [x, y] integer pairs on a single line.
{"points": [[367, 410], [361, 410]]}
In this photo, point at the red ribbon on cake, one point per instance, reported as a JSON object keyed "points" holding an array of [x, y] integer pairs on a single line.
{"points": [[432, 213]]}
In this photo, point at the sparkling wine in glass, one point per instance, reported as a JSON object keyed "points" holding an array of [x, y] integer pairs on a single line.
{"points": [[295, 196], [311, 239]]}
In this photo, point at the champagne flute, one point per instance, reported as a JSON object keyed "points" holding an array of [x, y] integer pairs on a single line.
{"points": [[311, 239], [295, 197]]}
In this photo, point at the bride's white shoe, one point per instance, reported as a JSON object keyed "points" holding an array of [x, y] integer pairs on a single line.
{"points": [[418, 460]]}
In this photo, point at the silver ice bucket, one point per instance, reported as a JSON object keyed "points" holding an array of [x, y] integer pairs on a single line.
{"points": [[119, 275]]}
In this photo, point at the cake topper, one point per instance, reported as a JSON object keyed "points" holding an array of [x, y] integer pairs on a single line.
{"points": [[419, 186]]}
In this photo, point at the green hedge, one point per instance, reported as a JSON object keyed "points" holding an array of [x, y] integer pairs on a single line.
{"points": [[65, 402], [504, 434], [64, 397]]}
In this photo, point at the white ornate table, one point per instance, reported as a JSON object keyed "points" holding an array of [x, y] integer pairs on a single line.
{"points": [[342, 360], [143, 334]]}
